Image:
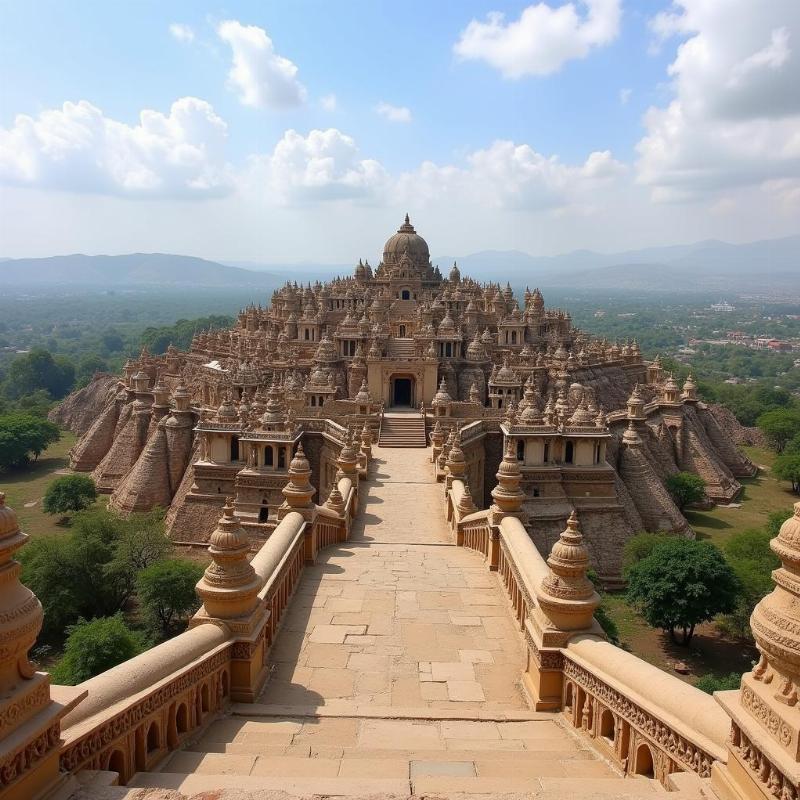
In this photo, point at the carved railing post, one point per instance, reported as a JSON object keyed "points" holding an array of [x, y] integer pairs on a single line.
{"points": [[566, 601], [30, 719], [229, 591], [508, 498], [298, 493], [764, 748]]}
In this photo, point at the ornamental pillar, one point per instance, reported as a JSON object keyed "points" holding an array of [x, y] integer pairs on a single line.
{"points": [[229, 592], [764, 747], [30, 719], [565, 604]]}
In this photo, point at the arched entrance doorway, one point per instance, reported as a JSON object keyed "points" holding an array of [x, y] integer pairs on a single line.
{"points": [[402, 391]]}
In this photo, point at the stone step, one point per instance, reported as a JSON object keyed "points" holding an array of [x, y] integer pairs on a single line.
{"points": [[377, 764], [403, 431], [443, 784], [190, 784], [253, 747]]}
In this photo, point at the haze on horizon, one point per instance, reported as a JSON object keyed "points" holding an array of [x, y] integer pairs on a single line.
{"points": [[240, 132]]}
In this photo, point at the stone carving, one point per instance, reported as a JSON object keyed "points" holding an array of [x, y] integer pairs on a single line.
{"points": [[685, 753], [96, 740]]}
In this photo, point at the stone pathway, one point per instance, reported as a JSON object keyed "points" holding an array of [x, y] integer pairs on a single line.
{"points": [[397, 616], [396, 672]]}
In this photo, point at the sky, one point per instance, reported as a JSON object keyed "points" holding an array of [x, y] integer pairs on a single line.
{"points": [[302, 131]]}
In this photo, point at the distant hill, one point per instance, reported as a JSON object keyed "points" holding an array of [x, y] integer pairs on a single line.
{"points": [[709, 265], [769, 265], [135, 269]]}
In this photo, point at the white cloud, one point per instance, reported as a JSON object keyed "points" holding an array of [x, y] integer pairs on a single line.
{"points": [[77, 148], [773, 57], [735, 116], [181, 32], [393, 113], [328, 102], [258, 75], [625, 96], [512, 176], [324, 165], [543, 39]]}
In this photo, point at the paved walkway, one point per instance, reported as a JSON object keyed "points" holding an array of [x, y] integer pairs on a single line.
{"points": [[396, 674], [398, 616]]}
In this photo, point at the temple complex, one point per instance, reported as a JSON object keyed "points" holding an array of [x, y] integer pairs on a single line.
{"points": [[400, 483], [403, 356]]}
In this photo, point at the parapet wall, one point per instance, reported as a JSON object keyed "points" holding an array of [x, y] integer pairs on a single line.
{"points": [[644, 720]]}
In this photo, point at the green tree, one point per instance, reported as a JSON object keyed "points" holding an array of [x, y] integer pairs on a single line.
{"points": [[719, 683], [749, 554], [24, 436], [37, 404], [681, 584], [91, 570], [180, 334], [166, 592], [39, 370], [47, 571], [93, 647], [112, 342], [686, 488], [793, 446], [787, 468], [638, 547], [780, 426], [69, 493], [87, 367], [140, 542]]}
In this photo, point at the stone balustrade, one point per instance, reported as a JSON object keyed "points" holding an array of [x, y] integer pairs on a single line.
{"points": [[133, 715], [137, 712], [646, 720], [643, 719]]}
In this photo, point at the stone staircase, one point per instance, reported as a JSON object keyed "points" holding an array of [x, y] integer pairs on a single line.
{"points": [[403, 430], [411, 753], [401, 348]]}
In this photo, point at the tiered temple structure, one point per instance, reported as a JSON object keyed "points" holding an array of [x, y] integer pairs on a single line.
{"points": [[596, 428], [340, 591]]}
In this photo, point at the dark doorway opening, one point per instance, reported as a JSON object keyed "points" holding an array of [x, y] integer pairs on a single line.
{"points": [[402, 392], [263, 514], [406, 295]]}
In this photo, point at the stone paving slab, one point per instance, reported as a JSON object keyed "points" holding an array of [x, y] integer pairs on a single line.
{"points": [[401, 597]]}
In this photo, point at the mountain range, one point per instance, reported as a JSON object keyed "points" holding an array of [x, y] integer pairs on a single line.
{"points": [[134, 269], [709, 265], [771, 265]]}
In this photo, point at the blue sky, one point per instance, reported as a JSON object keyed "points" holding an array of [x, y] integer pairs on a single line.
{"points": [[487, 134]]}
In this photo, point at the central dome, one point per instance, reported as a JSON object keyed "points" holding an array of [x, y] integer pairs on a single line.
{"points": [[406, 240]]}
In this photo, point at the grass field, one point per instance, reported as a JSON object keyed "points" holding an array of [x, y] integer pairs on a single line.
{"points": [[761, 495], [25, 488]]}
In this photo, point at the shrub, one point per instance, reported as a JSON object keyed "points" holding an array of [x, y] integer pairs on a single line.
{"points": [[776, 519], [719, 683], [93, 647], [686, 488]]}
